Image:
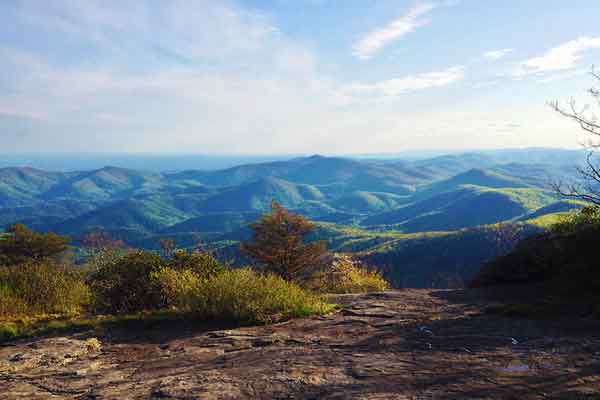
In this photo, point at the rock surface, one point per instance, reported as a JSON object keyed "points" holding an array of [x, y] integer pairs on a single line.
{"points": [[410, 344]]}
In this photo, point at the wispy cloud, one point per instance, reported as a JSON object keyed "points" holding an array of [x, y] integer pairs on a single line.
{"points": [[497, 54], [408, 84], [559, 58], [374, 41]]}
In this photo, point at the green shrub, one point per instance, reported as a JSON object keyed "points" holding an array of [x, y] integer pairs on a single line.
{"points": [[179, 289], [11, 305], [124, 285], [241, 295], [586, 218], [21, 245], [201, 263], [346, 275], [36, 288], [8, 331], [563, 259]]}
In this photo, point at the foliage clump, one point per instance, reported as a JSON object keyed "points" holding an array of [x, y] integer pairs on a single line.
{"points": [[347, 275], [587, 218], [32, 281], [125, 284], [42, 288], [237, 295], [561, 260], [21, 245], [117, 280]]}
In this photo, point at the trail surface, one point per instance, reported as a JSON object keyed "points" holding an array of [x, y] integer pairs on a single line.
{"points": [[409, 344]]}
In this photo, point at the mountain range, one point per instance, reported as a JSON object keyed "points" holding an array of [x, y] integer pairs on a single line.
{"points": [[386, 200]]}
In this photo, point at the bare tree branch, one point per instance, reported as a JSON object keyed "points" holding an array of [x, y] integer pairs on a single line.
{"points": [[589, 189]]}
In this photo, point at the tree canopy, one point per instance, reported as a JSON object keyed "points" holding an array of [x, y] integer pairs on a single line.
{"points": [[279, 244], [20, 245]]}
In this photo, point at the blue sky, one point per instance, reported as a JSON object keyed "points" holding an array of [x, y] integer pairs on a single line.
{"points": [[291, 76]]}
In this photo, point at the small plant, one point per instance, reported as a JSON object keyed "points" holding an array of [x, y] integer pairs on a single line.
{"points": [[8, 331], [346, 275]]}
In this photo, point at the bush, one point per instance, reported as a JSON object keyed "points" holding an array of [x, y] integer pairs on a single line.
{"points": [[241, 295], [346, 275], [8, 332], [179, 289], [203, 264], [11, 305], [563, 259], [128, 283], [36, 288], [586, 218], [21, 245], [124, 285]]}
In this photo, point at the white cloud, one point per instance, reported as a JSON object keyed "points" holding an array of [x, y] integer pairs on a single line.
{"points": [[559, 58], [208, 76], [408, 84], [497, 54], [563, 75], [366, 47]]}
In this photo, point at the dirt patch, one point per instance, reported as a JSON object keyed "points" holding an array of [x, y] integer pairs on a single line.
{"points": [[409, 344]]}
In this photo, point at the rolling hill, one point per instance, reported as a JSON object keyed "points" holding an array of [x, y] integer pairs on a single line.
{"points": [[466, 207], [441, 193], [475, 177]]}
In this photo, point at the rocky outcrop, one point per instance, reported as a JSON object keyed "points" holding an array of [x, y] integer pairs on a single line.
{"points": [[412, 344]]}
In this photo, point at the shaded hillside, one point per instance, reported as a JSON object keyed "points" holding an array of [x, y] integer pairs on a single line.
{"points": [[315, 170], [214, 223], [554, 208], [138, 217], [108, 183], [369, 202], [21, 186], [441, 260], [466, 207], [563, 260], [259, 195], [476, 177]]}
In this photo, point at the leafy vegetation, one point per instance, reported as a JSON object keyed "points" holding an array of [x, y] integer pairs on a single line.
{"points": [[347, 275], [240, 295], [42, 288], [20, 245], [562, 259], [395, 214], [279, 245], [38, 294]]}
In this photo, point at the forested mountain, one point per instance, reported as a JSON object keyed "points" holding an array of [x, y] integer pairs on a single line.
{"points": [[379, 199]]}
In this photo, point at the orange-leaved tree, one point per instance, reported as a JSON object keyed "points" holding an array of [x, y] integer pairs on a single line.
{"points": [[279, 244]]}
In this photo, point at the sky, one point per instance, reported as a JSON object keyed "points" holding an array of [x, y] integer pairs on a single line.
{"points": [[292, 76]]}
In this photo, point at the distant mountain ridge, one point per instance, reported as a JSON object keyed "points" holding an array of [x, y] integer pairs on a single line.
{"points": [[441, 193], [424, 221]]}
